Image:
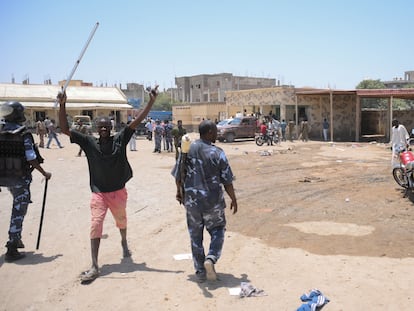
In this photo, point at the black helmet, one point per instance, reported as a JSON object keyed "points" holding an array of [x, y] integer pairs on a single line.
{"points": [[13, 112]]}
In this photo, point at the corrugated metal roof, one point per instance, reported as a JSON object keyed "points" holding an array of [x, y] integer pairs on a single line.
{"points": [[47, 93], [76, 105], [378, 93], [325, 92], [397, 93]]}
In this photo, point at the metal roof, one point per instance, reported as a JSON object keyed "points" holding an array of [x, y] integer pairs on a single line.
{"points": [[396, 93], [325, 92], [378, 93], [39, 93], [72, 105]]}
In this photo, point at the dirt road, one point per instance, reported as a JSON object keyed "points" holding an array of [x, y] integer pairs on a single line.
{"points": [[311, 215]]}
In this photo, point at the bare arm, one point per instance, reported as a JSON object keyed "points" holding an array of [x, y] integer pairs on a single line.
{"points": [[230, 191], [179, 196], [37, 166], [63, 121], [143, 113]]}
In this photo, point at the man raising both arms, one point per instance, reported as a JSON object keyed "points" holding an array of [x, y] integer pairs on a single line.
{"points": [[109, 170]]}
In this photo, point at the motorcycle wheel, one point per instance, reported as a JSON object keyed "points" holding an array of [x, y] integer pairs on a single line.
{"points": [[259, 140], [400, 177]]}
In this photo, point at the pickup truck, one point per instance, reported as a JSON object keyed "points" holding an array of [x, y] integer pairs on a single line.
{"points": [[86, 121], [240, 127]]}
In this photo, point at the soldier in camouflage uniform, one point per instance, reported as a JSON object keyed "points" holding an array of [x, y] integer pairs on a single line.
{"points": [[18, 158]]}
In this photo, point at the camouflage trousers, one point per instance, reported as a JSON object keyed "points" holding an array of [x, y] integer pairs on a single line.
{"points": [[214, 221], [21, 200]]}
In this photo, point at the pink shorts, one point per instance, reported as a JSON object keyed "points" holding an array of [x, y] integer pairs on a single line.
{"points": [[100, 202]]}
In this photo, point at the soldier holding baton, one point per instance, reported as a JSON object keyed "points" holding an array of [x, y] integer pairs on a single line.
{"points": [[18, 157]]}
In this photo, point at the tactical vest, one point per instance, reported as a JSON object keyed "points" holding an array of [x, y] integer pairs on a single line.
{"points": [[13, 163]]}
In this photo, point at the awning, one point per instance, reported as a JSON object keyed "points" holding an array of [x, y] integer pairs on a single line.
{"points": [[51, 105], [383, 93], [326, 92]]}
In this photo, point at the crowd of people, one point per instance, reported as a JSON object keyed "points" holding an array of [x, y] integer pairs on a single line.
{"points": [[166, 136], [47, 128], [269, 126]]}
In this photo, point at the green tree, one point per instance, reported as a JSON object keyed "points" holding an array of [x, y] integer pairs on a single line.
{"points": [[163, 102], [370, 84], [381, 103], [372, 103], [404, 104]]}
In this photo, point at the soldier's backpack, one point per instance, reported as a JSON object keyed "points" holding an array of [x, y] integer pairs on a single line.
{"points": [[13, 163]]}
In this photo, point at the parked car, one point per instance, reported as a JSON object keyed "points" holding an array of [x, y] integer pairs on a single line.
{"points": [[224, 122], [86, 121], [240, 127]]}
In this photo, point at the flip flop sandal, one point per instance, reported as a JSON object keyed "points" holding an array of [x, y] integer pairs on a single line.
{"points": [[89, 276]]}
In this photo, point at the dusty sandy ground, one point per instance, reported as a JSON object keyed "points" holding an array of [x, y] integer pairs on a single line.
{"points": [[311, 215]]}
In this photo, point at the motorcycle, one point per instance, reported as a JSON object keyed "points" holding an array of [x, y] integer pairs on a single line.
{"points": [[271, 137], [404, 173]]}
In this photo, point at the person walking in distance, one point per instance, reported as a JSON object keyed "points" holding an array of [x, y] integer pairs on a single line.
{"points": [[399, 140], [132, 142], [18, 157], [325, 128], [52, 134], [168, 135], [41, 132], [47, 123], [177, 133], [109, 171], [283, 126], [158, 133], [305, 130], [206, 170], [149, 128], [291, 128], [264, 132]]}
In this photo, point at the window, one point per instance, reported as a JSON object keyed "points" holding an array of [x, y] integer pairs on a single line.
{"points": [[40, 115]]}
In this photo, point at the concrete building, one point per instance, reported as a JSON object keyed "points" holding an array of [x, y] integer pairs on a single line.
{"points": [[342, 108], [135, 94], [398, 83], [213, 87]]}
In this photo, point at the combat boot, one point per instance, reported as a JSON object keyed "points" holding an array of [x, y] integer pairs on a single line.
{"points": [[20, 244], [12, 252]]}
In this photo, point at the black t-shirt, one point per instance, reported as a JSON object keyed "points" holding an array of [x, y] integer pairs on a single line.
{"points": [[109, 169]]}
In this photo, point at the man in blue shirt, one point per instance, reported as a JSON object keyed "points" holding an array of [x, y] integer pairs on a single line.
{"points": [[283, 126], [206, 169], [325, 128]]}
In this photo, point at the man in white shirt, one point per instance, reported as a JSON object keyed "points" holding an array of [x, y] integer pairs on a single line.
{"points": [[399, 140]]}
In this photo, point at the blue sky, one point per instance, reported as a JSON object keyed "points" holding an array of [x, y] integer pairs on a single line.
{"points": [[324, 43]]}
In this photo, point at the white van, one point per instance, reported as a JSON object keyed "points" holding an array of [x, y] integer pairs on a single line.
{"points": [[86, 121]]}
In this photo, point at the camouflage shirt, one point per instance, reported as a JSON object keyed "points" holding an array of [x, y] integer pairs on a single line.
{"points": [[207, 169]]}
